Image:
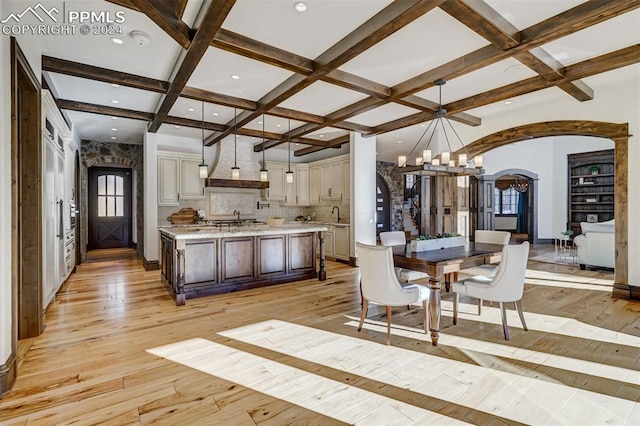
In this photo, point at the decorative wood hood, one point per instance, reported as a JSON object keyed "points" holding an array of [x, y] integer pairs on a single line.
{"points": [[244, 157]]}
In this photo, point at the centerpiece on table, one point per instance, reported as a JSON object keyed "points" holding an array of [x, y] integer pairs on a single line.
{"points": [[436, 242]]}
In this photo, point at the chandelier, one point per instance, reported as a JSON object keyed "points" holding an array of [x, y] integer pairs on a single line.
{"points": [[427, 165], [520, 185]]}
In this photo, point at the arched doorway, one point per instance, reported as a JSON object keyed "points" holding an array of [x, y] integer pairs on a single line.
{"points": [[619, 134], [383, 206]]}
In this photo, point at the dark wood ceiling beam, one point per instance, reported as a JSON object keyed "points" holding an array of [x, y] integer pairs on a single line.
{"points": [[358, 84], [180, 6], [187, 122], [607, 62], [124, 3], [103, 110], [296, 115], [217, 98], [211, 22], [334, 143], [165, 18], [352, 127], [550, 69], [75, 69], [254, 49], [392, 18], [428, 106], [484, 20]]}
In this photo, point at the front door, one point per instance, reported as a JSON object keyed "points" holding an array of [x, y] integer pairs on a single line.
{"points": [[109, 207]]}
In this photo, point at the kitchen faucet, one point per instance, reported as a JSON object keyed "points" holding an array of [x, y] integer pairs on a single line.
{"points": [[238, 213], [334, 208]]}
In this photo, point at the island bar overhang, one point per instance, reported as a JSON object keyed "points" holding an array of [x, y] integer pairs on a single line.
{"points": [[203, 261]]}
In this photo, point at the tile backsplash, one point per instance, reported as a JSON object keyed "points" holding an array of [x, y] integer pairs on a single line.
{"points": [[219, 203]]}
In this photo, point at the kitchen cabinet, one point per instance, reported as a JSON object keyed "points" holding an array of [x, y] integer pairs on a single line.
{"points": [[328, 242], [341, 242], [346, 181], [314, 185], [329, 180], [178, 178], [297, 193], [276, 190]]}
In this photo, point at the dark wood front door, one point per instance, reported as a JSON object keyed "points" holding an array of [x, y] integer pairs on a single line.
{"points": [[383, 206], [109, 207]]}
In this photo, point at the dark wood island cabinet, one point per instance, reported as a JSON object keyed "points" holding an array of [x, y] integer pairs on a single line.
{"points": [[201, 261]]}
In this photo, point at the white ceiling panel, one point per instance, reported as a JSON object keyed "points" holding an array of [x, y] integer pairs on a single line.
{"points": [[383, 114], [192, 109], [622, 31], [308, 34], [101, 127], [255, 78], [326, 134], [182, 131], [274, 124], [432, 40], [523, 102], [95, 92], [524, 13], [499, 74], [322, 98]]}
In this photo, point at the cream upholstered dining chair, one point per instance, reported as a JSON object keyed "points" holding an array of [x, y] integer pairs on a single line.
{"points": [[396, 238], [506, 286], [379, 284]]}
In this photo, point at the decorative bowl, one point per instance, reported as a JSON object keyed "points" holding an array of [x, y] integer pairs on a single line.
{"points": [[275, 222]]}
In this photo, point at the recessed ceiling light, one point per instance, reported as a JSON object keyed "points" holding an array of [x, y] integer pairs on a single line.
{"points": [[507, 102], [114, 129], [422, 125], [277, 125], [113, 137], [300, 6], [115, 85], [399, 141], [235, 76], [117, 40], [322, 136], [114, 118], [191, 109], [259, 122], [297, 143], [115, 102], [216, 114], [176, 126]]}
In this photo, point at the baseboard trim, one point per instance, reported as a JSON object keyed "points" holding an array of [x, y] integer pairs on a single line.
{"points": [[7, 375], [353, 261], [150, 265], [625, 291]]}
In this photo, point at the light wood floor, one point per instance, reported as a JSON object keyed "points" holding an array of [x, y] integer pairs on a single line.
{"points": [[117, 350]]}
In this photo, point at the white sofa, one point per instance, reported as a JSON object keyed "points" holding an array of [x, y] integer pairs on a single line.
{"points": [[596, 244]]}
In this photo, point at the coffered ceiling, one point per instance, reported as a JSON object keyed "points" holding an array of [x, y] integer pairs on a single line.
{"points": [[368, 66]]}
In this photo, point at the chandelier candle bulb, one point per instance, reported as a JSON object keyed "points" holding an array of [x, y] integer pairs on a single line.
{"points": [[452, 163], [445, 157], [419, 161], [402, 160], [426, 156], [478, 160], [435, 162], [462, 160]]}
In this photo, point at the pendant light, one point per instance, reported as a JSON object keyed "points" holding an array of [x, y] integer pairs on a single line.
{"points": [[264, 173], [289, 173], [203, 168], [235, 170]]}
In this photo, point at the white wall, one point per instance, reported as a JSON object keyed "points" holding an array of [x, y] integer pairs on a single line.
{"points": [[547, 157], [363, 190], [150, 176], [5, 198]]}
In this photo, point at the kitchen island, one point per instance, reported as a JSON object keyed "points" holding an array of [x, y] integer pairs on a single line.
{"points": [[205, 260]]}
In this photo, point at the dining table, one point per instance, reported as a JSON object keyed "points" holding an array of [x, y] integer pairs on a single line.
{"points": [[441, 264]]}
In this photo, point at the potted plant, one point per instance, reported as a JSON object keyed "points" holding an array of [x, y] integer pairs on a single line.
{"points": [[438, 241], [594, 170]]}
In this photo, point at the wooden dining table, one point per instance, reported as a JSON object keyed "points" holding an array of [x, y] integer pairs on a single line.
{"points": [[442, 263]]}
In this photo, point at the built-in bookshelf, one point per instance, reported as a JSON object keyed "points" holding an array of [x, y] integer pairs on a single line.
{"points": [[591, 188]]}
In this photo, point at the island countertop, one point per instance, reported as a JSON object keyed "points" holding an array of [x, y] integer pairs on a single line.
{"points": [[204, 231]]}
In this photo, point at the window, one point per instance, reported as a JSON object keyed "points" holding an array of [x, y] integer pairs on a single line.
{"points": [[110, 196], [505, 201]]}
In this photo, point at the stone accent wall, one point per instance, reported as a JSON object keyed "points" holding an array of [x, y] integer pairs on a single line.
{"points": [[95, 153], [395, 182]]}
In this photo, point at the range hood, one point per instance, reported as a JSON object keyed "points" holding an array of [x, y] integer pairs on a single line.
{"points": [[227, 155]]}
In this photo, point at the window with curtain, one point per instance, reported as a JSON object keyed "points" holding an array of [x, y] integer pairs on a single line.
{"points": [[505, 201]]}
